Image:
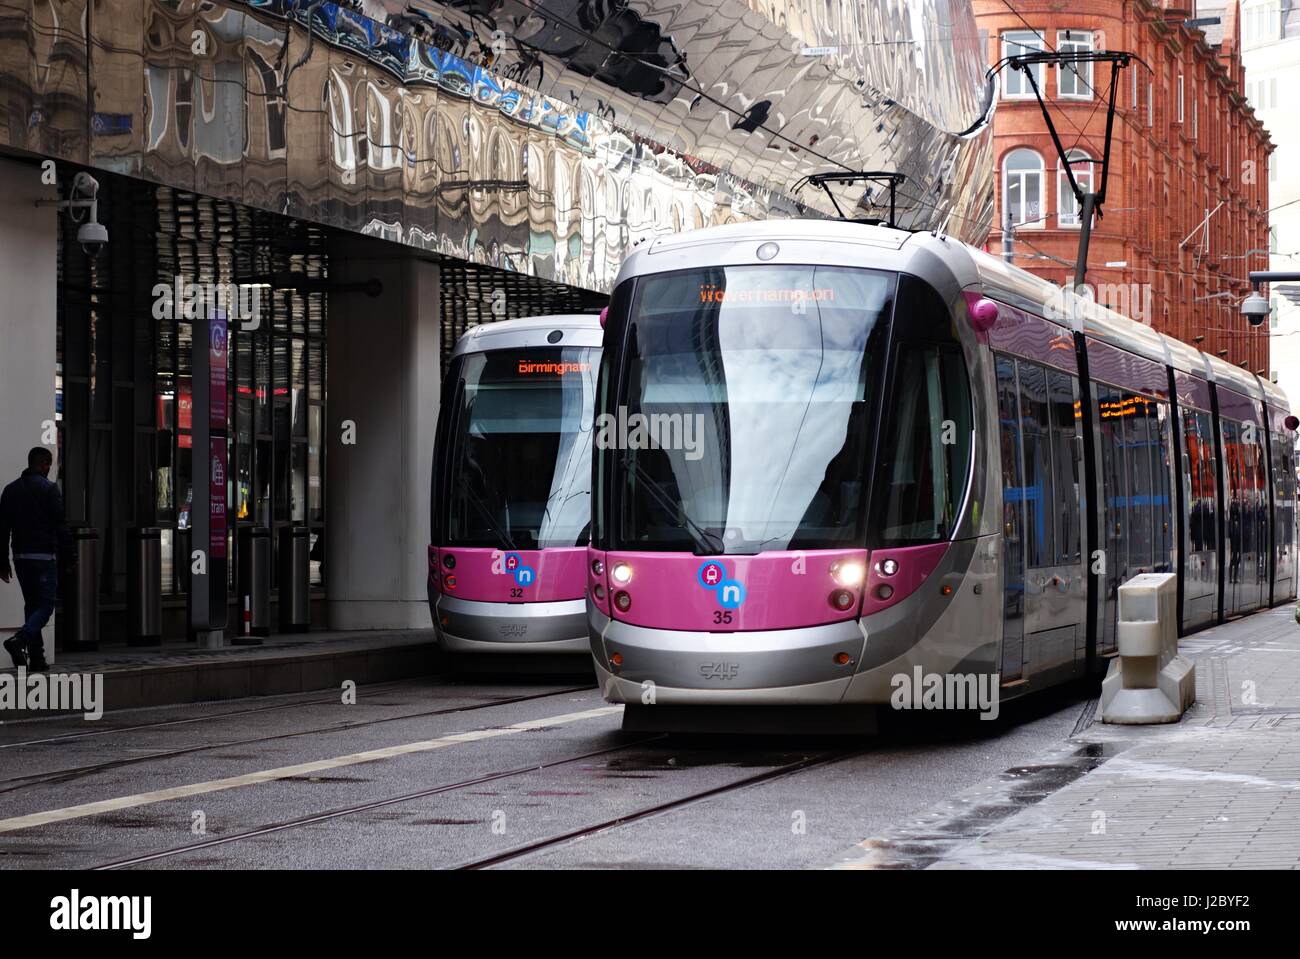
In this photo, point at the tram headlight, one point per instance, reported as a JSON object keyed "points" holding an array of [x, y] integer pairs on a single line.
{"points": [[848, 572], [597, 567], [621, 573], [888, 567], [622, 601]]}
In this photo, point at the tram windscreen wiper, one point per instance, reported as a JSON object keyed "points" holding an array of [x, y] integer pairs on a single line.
{"points": [[486, 513], [707, 543]]}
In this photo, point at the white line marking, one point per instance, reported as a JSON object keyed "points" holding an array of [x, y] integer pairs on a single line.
{"points": [[287, 772]]}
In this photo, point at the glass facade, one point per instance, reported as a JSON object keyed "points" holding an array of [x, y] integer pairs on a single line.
{"points": [[125, 392]]}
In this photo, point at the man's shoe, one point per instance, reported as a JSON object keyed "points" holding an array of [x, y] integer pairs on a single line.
{"points": [[16, 648], [37, 664]]}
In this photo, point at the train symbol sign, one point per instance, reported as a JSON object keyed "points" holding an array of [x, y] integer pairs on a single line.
{"points": [[513, 565], [712, 576]]}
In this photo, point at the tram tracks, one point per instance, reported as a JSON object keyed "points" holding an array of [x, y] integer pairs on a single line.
{"points": [[779, 771], [16, 783], [356, 808], [576, 835]]}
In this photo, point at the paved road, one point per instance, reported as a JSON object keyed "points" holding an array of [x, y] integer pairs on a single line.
{"points": [[438, 772]]}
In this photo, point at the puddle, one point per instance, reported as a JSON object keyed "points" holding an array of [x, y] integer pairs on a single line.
{"points": [[920, 845]]}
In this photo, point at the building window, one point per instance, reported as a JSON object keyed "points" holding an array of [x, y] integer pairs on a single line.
{"points": [[1022, 189], [1272, 312], [1067, 207], [1074, 80], [1151, 105], [1016, 44], [1262, 23], [1180, 98], [1195, 125]]}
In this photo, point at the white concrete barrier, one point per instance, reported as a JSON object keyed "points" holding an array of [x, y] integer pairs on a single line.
{"points": [[1149, 682]]}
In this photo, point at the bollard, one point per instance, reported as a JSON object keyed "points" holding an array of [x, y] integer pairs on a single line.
{"points": [[79, 619], [295, 571], [1149, 682], [144, 586], [254, 583]]}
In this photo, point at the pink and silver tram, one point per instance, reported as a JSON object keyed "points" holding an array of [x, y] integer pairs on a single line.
{"points": [[839, 454], [511, 498]]}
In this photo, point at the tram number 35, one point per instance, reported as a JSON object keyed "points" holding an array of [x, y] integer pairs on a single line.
{"points": [[721, 616]]}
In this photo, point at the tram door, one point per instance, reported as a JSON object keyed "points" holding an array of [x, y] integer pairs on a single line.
{"points": [[1137, 480], [1200, 506], [1284, 517], [1046, 579]]}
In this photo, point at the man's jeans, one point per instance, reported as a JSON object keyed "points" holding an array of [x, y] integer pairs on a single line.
{"points": [[39, 580]]}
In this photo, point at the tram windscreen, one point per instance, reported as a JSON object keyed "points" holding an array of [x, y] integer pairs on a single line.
{"points": [[751, 389], [520, 448]]}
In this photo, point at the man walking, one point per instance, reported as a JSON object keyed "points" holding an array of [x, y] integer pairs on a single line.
{"points": [[31, 511]]}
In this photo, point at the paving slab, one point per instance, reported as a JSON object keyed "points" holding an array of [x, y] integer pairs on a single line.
{"points": [[1219, 789]]}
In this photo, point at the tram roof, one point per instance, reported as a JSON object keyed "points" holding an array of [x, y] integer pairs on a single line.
{"points": [[1023, 289], [529, 331]]}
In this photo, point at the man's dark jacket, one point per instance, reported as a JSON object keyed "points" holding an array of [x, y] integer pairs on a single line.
{"points": [[31, 510]]}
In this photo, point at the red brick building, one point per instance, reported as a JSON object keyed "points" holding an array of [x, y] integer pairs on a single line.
{"points": [[1186, 144]]}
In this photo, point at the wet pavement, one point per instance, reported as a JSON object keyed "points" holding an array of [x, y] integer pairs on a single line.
{"points": [[1219, 789], [503, 772]]}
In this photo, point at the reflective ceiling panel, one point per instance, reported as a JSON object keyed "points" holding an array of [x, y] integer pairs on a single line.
{"points": [[543, 137]]}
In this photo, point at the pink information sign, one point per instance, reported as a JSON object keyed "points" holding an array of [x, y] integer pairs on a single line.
{"points": [[217, 433]]}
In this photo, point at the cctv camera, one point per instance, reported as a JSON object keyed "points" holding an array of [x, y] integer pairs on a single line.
{"points": [[85, 184], [93, 237], [1255, 308]]}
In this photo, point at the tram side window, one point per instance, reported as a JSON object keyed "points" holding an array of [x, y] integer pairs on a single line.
{"points": [[1202, 524], [1283, 491], [1142, 441], [1233, 499], [1038, 496], [1065, 457], [1286, 496], [927, 449], [1009, 446]]}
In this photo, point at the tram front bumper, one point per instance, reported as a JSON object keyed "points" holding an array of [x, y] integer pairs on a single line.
{"points": [[760, 667], [470, 626]]}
